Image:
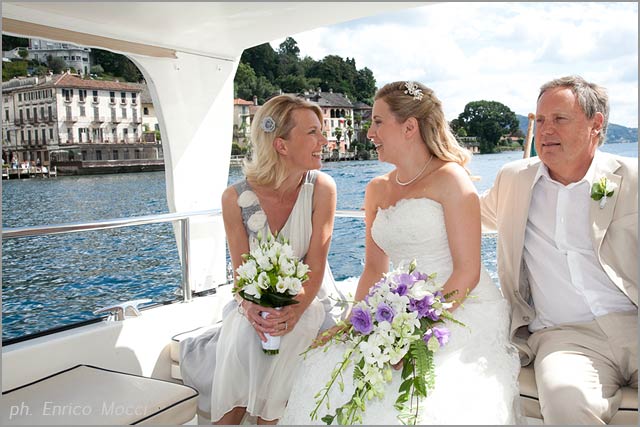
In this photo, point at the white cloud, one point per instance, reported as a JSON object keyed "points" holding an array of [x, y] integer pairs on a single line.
{"points": [[494, 51]]}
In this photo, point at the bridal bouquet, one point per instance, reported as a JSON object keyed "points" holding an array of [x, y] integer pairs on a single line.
{"points": [[400, 320], [271, 276]]}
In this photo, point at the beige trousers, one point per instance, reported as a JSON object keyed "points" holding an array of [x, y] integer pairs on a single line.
{"points": [[580, 368]]}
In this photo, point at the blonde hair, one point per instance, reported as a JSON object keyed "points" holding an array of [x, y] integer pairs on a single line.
{"points": [[265, 166], [427, 110]]}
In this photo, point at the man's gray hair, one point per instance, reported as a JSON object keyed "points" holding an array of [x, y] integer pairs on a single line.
{"points": [[592, 98]]}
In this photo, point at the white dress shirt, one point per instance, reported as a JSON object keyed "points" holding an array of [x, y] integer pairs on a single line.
{"points": [[568, 284]]}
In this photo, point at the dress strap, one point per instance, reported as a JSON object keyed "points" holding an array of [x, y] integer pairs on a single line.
{"points": [[248, 203], [311, 177]]}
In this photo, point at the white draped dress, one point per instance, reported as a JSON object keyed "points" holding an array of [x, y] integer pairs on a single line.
{"points": [[244, 376]]}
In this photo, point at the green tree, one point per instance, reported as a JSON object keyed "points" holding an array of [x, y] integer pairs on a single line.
{"points": [[365, 86], [13, 69], [116, 65], [289, 47], [11, 42], [263, 59], [247, 84], [23, 53], [338, 133], [97, 69], [488, 120], [56, 64]]}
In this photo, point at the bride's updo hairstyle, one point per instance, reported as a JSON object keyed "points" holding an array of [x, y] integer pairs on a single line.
{"points": [[413, 99], [273, 120]]}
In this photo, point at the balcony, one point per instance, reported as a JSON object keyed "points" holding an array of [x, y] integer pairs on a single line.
{"points": [[99, 119], [137, 120], [50, 119], [19, 122], [116, 119], [71, 119]]}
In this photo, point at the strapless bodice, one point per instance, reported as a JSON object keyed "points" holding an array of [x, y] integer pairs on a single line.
{"points": [[415, 229]]}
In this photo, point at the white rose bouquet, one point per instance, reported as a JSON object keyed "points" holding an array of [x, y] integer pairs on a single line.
{"points": [[271, 276]]}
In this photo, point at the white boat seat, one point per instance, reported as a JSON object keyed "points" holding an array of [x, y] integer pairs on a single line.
{"points": [[177, 339], [627, 413], [88, 394]]}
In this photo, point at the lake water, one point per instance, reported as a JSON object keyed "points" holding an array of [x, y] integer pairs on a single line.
{"points": [[51, 281]]}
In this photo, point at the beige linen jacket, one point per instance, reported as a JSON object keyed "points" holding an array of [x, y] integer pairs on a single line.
{"points": [[614, 233]]}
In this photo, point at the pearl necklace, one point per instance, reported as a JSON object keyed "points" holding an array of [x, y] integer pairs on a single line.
{"points": [[415, 177]]}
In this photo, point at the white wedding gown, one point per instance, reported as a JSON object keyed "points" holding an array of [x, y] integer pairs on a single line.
{"points": [[476, 372]]}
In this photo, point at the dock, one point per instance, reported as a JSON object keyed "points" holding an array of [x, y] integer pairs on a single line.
{"points": [[30, 172]]}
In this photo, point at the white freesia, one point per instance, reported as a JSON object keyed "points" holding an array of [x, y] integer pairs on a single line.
{"points": [[301, 269], [263, 281], [248, 270], [294, 285], [257, 221], [287, 266], [287, 251], [611, 186], [281, 286], [264, 262], [247, 198], [252, 289]]}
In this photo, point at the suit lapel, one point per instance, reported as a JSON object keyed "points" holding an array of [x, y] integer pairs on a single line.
{"points": [[601, 218], [520, 214]]}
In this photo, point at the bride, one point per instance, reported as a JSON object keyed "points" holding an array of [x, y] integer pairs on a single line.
{"points": [[426, 209]]}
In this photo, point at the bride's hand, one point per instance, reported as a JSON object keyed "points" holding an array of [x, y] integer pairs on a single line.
{"points": [[325, 336]]}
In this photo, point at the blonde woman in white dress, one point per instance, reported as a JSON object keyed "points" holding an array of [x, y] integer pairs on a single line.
{"points": [[283, 192]]}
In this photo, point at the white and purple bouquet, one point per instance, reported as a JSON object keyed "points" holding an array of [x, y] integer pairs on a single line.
{"points": [[400, 320], [271, 276]]}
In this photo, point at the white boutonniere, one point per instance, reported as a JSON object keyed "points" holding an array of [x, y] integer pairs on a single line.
{"points": [[602, 189]]}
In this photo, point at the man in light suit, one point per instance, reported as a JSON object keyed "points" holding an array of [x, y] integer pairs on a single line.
{"points": [[567, 262]]}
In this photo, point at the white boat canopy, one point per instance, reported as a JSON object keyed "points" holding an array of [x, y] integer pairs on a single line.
{"points": [[188, 53]]}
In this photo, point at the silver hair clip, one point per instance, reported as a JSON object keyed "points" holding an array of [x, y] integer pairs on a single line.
{"points": [[268, 124], [413, 90]]}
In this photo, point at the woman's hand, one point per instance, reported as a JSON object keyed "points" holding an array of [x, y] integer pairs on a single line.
{"points": [[325, 336], [269, 325], [286, 319]]}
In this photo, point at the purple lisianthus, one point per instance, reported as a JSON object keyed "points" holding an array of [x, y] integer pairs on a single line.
{"points": [[361, 321], [442, 335], [419, 276], [423, 306], [401, 289], [384, 312]]}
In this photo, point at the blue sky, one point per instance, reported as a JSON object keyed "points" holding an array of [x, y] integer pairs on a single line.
{"points": [[494, 51]]}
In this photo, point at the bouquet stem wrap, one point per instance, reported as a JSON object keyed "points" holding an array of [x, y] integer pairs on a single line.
{"points": [[272, 345]]}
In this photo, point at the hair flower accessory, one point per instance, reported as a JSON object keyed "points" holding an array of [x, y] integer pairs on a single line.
{"points": [[602, 190], [413, 90], [268, 124]]}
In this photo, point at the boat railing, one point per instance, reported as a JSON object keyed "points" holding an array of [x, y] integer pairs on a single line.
{"points": [[183, 218]]}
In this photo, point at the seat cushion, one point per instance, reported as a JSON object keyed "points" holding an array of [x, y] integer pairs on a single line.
{"points": [[88, 394], [627, 413], [178, 338]]}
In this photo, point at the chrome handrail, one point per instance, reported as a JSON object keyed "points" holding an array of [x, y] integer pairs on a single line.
{"points": [[10, 233], [182, 217], [14, 232]]}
